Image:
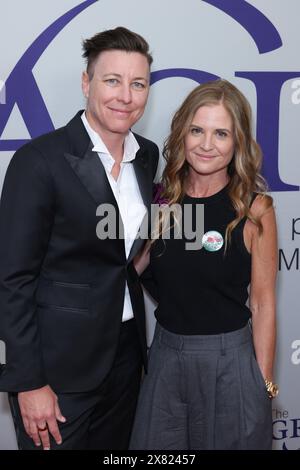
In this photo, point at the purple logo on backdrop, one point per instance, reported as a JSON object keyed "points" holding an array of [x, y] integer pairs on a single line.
{"points": [[264, 33], [22, 89]]}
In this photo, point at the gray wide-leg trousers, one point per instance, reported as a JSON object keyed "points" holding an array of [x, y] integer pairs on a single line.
{"points": [[203, 392]]}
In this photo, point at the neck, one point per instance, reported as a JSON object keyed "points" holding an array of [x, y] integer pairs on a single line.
{"points": [[115, 148], [113, 141], [204, 185]]}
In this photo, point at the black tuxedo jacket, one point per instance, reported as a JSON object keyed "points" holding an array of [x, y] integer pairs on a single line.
{"points": [[61, 287]]}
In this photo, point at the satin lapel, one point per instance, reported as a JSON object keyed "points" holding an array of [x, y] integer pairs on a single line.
{"points": [[92, 175], [89, 169], [140, 165]]}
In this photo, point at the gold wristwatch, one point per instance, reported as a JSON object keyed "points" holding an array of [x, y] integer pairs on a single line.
{"points": [[272, 388]]}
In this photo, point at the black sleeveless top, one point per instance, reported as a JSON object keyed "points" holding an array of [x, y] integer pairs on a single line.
{"points": [[202, 291]]}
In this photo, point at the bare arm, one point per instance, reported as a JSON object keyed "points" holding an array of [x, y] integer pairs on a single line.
{"points": [[142, 259], [263, 284]]}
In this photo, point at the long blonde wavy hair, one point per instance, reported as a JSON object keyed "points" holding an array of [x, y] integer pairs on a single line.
{"points": [[244, 168]]}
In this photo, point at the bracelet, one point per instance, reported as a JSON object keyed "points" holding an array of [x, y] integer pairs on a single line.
{"points": [[272, 388]]}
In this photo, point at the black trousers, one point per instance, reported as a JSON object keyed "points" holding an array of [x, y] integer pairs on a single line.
{"points": [[101, 418]]}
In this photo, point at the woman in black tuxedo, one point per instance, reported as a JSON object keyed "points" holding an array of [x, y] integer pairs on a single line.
{"points": [[71, 314]]}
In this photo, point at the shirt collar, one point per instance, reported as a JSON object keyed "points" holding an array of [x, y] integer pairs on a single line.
{"points": [[131, 145]]}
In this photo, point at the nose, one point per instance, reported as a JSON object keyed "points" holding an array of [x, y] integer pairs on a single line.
{"points": [[125, 93], [206, 142]]}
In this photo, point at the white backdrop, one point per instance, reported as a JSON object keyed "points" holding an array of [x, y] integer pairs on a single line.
{"points": [[185, 35]]}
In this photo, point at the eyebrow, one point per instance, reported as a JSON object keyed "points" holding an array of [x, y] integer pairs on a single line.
{"points": [[120, 76], [217, 129], [226, 130]]}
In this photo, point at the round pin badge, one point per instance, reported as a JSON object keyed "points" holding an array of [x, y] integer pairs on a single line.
{"points": [[212, 241]]}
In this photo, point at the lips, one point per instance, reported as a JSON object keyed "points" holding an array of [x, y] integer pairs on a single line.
{"points": [[121, 111], [206, 157]]}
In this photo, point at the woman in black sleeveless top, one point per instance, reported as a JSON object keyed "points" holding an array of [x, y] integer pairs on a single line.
{"points": [[210, 379]]}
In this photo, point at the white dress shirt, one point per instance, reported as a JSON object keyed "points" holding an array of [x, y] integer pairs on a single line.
{"points": [[126, 192]]}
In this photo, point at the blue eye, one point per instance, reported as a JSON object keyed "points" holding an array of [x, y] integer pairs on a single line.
{"points": [[138, 85], [111, 81]]}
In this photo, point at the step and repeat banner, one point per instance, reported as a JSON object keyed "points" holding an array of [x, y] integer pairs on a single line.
{"points": [[254, 44]]}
